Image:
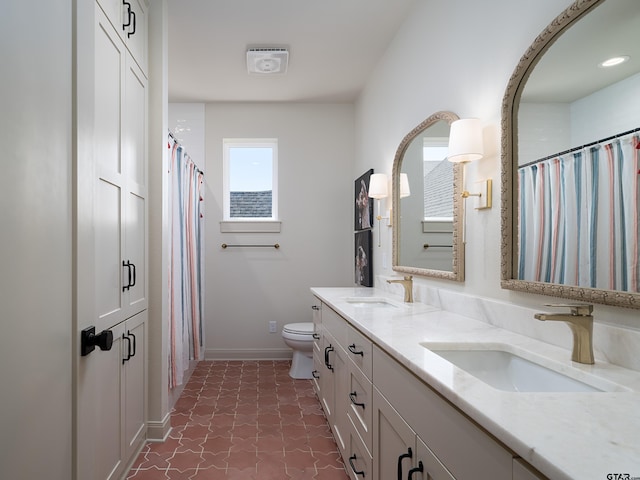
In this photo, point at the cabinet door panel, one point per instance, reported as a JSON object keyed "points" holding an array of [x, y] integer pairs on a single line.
{"points": [[135, 125], [393, 439], [135, 251], [135, 382], [108, 265], [108, 95], [113, 10], [99, 412], [432, 468], [137, 38]]}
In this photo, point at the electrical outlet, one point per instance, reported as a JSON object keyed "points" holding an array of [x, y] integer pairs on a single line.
{"points": [[272, 326]]}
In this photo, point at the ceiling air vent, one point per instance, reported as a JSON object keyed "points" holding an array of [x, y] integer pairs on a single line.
{"points": [[267, 60]]}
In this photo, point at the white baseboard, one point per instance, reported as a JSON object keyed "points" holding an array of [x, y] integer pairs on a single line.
{"points": [[248, 354], [158, 431]]}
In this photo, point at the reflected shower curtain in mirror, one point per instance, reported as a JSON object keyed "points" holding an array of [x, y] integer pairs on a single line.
{"points": [[579, 217], [185, 269]]}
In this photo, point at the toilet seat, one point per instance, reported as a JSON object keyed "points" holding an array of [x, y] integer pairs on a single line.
{"points": [[304, 328]]}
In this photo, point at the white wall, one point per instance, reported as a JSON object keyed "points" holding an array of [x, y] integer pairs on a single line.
{"points": [[548, 128], [248, 287], [444, 60], [186, 122], [36, 241]]}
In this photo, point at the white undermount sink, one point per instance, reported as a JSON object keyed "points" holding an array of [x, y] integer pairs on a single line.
{"points": [[510, 372], [371, 302]]}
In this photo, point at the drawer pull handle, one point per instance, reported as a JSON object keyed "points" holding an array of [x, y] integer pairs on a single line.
{"points": [[352, 349], [353, 396], [327, 350], [315, 307], [316, 336], [133, 15], [315, 374], [409, 454], [419, 468], [126, 359], [128, 14], [351, 459]]}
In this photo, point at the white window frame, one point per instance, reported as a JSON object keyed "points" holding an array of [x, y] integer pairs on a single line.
{"points": [[248, 223]]}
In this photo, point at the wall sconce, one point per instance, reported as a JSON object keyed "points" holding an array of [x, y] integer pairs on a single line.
{"points": [[378, 188], [466, 145]]}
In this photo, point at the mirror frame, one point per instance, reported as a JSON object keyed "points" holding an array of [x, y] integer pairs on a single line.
{"points": [[457, 267], [509, 176]]}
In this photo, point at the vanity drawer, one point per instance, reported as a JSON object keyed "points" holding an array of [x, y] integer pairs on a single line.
{"points": [[358, 461], [461, 445], [359, 351], [334, 324], [360, 409]]}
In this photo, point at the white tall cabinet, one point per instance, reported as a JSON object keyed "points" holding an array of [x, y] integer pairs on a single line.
{"points": [[111, 234]]}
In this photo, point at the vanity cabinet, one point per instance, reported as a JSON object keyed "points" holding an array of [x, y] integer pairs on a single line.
{"points": [[390, 424]]}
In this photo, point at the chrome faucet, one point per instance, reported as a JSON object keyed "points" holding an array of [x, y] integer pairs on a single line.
{"points": [[407, 283], [580, 321]]}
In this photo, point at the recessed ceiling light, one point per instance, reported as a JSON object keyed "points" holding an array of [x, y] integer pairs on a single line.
{"points": [[613, 61]]}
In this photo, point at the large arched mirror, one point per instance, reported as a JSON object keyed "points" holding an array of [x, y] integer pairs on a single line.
{"points": [[427, 203], [571, 158]]}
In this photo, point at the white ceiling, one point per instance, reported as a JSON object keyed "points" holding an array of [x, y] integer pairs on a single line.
{"points": [[333, 47], [569, 69]]}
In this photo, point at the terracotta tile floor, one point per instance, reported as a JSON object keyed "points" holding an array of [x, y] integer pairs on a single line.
{"points": [[244, 420]]}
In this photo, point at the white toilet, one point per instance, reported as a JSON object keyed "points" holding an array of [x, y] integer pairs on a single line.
{"points": [[299, 336]]}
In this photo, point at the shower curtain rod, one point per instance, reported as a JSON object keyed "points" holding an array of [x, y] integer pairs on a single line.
{"points": [[170, 133], [574, 149]]}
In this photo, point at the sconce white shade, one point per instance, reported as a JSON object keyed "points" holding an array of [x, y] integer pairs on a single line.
{"points": [[405, 191], [465, 141], [378, 186]]}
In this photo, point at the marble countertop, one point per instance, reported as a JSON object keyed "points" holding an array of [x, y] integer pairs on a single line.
{"points": [[563, 435]]}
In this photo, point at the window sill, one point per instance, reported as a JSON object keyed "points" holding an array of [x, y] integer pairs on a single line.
{"points": [[250, 226]]}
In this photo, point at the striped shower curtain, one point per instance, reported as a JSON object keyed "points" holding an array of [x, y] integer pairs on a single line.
{"points": [[579, 217], [185, 269]]}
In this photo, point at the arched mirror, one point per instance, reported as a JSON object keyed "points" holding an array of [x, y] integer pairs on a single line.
{"points": [[571, 158], [427, 203]]}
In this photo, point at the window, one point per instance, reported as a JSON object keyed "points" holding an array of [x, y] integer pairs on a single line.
{"points": [[250, 179], [438, 179]]}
